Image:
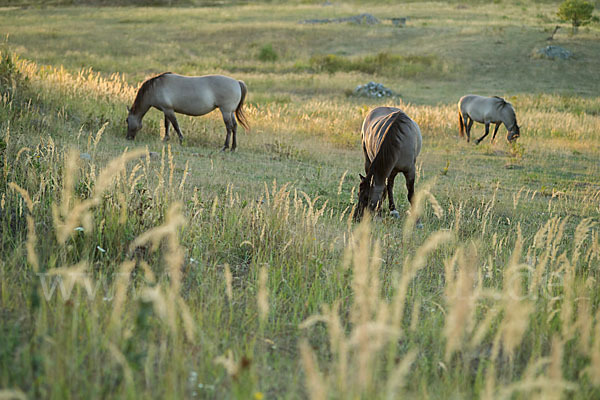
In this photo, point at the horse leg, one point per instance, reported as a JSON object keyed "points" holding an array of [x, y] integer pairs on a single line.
{"points": [[496, 131], [166, 138], [367, 161], [410, 186], [469, 125], [487, 131], [171, 116], [390, 191], [234, 132], [228, 128]]}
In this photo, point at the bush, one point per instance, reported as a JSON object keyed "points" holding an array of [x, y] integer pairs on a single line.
{"points": [[383, 64], [267, 53], [578, 12], [9, 73]]}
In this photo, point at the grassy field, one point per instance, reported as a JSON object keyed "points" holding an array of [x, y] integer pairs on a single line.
{"points": [[151, 270]]}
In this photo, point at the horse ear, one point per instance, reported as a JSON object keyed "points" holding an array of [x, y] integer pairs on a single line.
{"points": [[362, 178]]}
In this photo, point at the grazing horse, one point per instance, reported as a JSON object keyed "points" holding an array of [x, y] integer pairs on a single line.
{"points": [[190, 95], [486, 110], [391, 142]]}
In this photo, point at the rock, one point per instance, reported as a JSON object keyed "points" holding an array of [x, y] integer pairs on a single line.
{"points": [[373, 90], [399, 22], [360, 19], [85, 156], [153, 155], [555, 52], [395, 214]]}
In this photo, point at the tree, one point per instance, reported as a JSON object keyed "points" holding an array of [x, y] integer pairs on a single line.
{"points": [[578, 12]]}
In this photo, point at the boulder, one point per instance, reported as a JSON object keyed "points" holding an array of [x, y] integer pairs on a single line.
{"points": [[373, 90], [555, 52], [361, 19]]}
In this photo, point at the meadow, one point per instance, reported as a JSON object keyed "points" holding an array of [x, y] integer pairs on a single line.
{"points": [[147, 269]]}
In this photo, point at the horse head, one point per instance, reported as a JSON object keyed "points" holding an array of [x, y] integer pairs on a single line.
{"points": [[369, 195], [134, 124], [514, 133], [363, 196]]}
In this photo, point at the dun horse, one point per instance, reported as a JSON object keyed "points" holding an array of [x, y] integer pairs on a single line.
{"points": [[391, 142], [487, 110], [190, 95]]}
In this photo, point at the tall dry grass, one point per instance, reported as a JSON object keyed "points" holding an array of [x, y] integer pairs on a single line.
{"points": [[271, 292]]}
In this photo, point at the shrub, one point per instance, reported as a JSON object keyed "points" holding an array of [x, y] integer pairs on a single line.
{"points": [[385, 64], [267, 53], [9, 73], [578, 12]]}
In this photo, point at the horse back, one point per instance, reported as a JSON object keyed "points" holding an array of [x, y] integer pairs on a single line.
{"points": [[483, 109], [392, 140], [198, 95]]}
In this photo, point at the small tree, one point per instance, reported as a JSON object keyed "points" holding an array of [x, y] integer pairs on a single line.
{"points": [[578, 12]]}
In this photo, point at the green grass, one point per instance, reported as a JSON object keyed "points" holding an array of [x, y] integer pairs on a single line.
{"points": [[496, 294]]}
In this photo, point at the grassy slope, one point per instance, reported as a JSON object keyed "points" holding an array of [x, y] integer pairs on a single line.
{"points": [[304, 134]]}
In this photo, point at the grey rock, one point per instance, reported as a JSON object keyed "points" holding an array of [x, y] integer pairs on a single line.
{"points": [[555, 52], [360, 19], [373, 90], [399, 21]]}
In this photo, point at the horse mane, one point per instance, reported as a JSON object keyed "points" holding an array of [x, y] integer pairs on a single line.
{"points": [[145, 88], [396, 120], [501, 103]]}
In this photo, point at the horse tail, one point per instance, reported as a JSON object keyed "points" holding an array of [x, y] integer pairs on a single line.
{"points": [[461, 124], [239, 111]]}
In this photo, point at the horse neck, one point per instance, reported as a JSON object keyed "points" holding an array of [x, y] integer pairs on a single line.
{"points": [[141, 108], [510, 120]]}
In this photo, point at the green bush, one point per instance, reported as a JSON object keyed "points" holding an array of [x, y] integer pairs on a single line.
{"points": [[267, 53], [380, 64], [9, 74], [578, 12]]}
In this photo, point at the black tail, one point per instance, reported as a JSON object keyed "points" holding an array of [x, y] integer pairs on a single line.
{"points": [[239, 111]]}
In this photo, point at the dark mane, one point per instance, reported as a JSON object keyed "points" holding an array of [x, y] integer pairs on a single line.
{"points": [[394, 121], [501, 103], [145, 88]]}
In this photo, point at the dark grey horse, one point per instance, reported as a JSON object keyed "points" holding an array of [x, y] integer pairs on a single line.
{"points": [[391, 142]]}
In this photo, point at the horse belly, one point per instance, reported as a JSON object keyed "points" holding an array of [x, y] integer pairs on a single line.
{"points": [[194, 109], [193, 105], [186, 100]]}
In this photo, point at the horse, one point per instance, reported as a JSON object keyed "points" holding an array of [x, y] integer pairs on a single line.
{"points": [[391, 142], [190, 95], [487, 110]]}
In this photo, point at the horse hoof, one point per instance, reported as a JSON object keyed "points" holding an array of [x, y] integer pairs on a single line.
{"points": [[395, 214], [166, 139], [223, 149]]}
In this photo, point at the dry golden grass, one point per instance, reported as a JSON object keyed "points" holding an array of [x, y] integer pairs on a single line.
{"points": [[230, 276]]}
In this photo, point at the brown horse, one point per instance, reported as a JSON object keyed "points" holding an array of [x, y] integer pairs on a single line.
{"points": [[190, 95], [487, 110], [391, 142]]}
